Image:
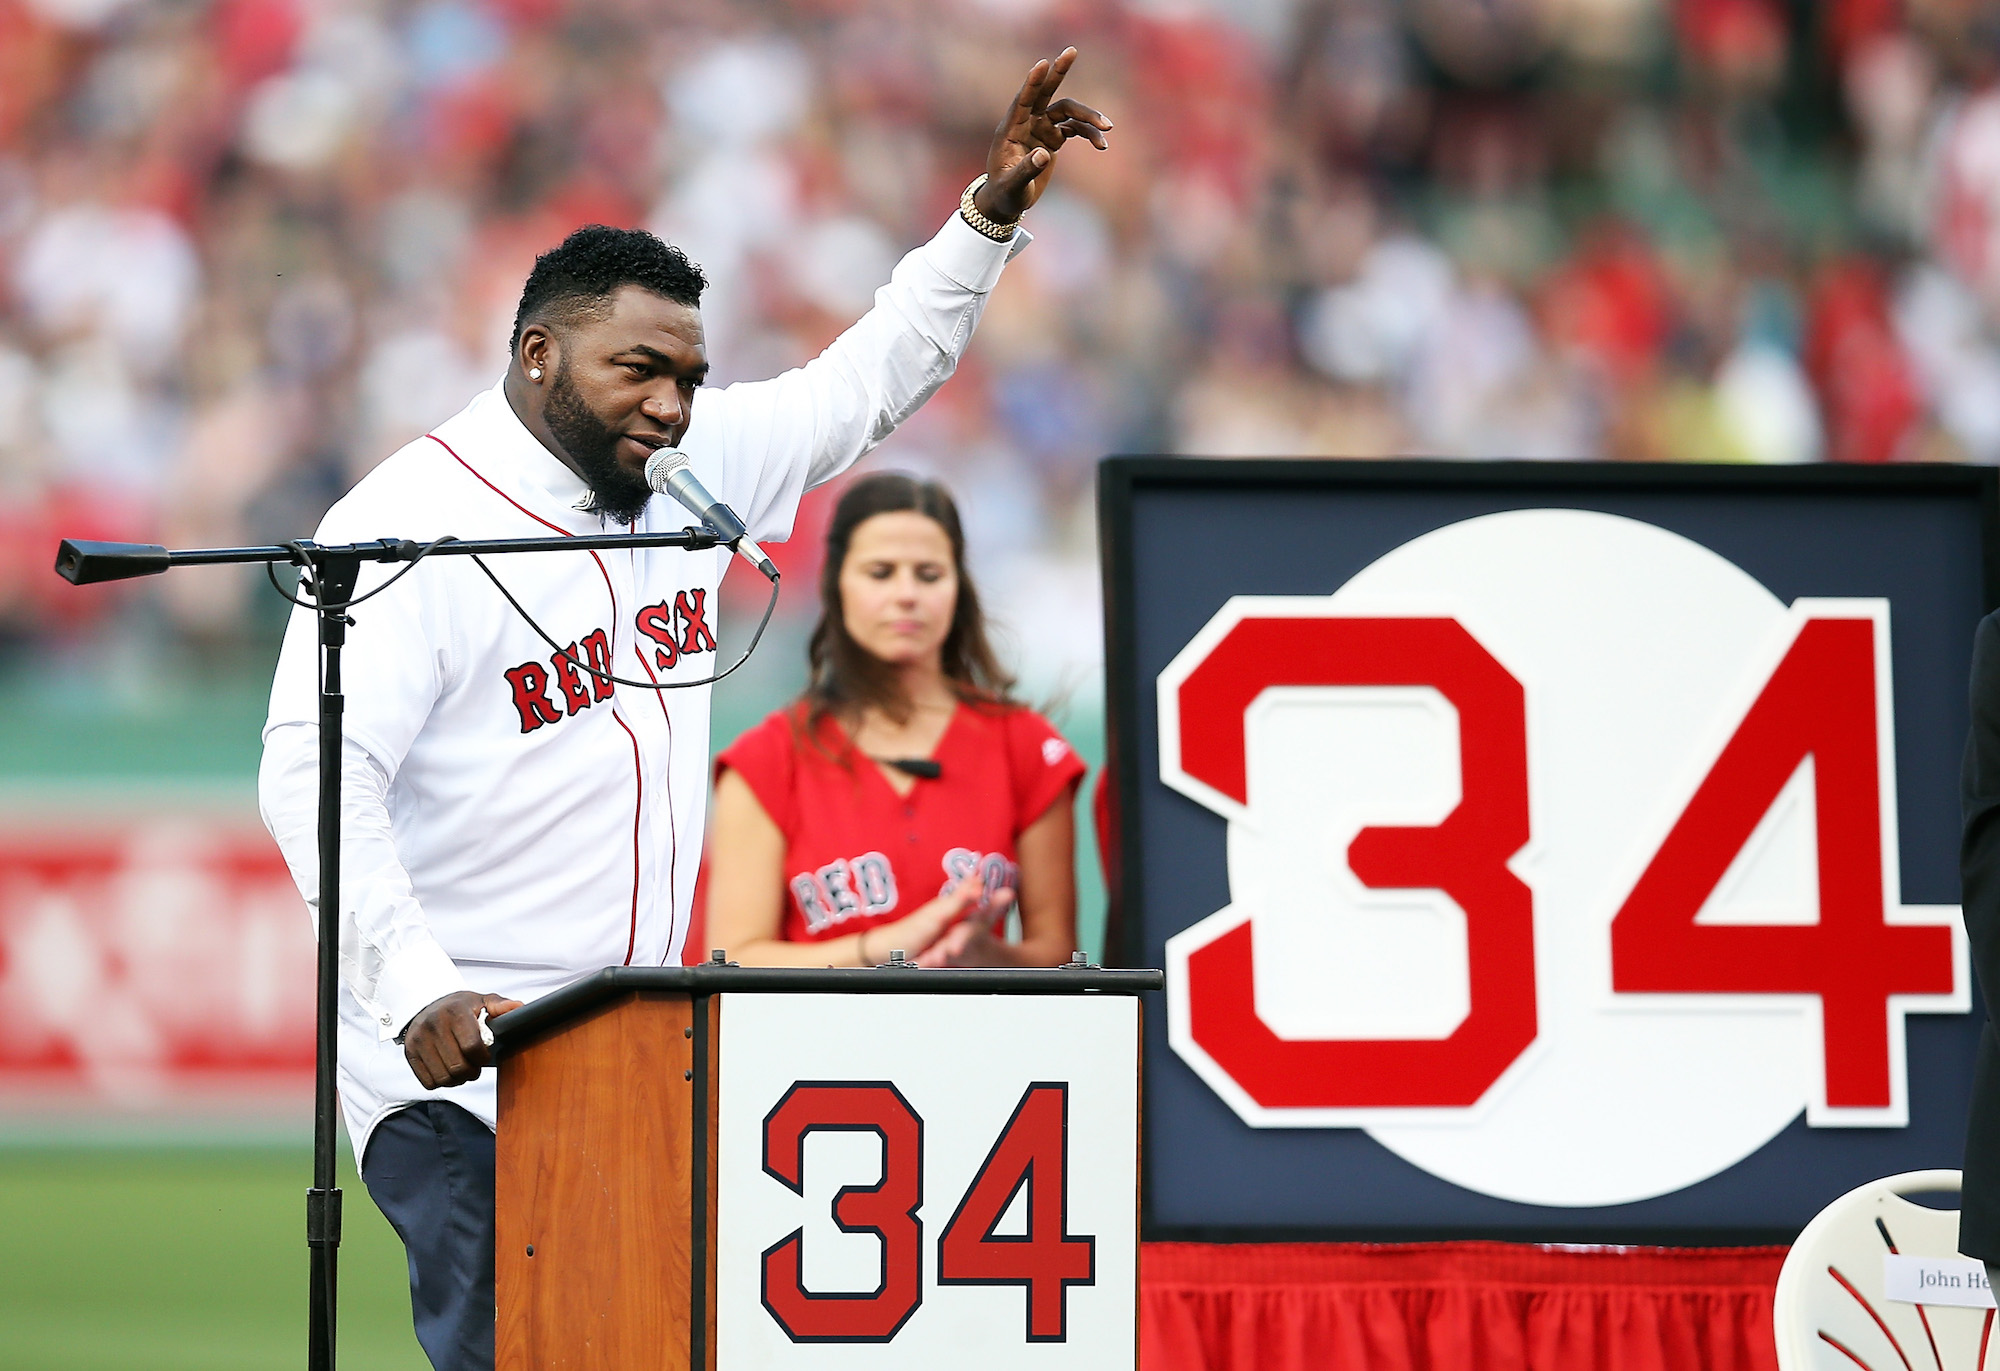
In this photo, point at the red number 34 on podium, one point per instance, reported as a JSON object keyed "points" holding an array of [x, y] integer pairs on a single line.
{"points": [[1030, 1154]]}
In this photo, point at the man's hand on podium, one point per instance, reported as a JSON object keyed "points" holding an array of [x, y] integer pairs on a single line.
{"points": [[447, 1044]]}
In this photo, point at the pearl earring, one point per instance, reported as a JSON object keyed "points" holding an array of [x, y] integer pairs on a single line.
{"points": [[534, 373]]}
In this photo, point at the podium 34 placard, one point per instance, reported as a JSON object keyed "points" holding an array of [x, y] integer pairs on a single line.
{"points": [[1542, 851], [720, 1168], [927, 1180]]}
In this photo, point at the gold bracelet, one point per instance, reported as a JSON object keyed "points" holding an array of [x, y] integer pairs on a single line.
{"points": [[991, 228], [861, 948]]}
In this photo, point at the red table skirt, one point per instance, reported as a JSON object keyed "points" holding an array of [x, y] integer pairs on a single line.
{"points": [[1459, 1306]]}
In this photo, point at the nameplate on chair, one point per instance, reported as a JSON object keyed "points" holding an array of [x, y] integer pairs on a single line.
{"points": [[1936, 1280]]}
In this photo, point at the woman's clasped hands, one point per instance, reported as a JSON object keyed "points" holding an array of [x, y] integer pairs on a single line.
{"points": [[955, 929]]}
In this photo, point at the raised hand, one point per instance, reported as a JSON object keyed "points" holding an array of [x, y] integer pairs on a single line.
{"points": [[1033, 130]]}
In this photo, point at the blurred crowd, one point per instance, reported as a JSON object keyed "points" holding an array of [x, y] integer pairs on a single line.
{"points": [[249, 247]]}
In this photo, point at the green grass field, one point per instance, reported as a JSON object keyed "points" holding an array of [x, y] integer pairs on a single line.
{"points": [[184, 1259]]}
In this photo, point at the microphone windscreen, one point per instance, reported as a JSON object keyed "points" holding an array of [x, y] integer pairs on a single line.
{"points": [[662, 465]]}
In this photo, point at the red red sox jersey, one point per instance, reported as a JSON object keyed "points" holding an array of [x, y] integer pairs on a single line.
{"points": [[510, 821], [857, 854]]}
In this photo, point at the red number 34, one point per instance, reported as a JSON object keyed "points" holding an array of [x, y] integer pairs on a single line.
{"points": [[1821, 702], [1030, 1154]]}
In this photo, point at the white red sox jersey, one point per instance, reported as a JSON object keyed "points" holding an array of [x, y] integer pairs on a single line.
{"points": [[510, 822]]}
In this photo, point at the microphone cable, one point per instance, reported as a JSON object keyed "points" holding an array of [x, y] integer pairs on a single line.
{"points": [[304, 560], [569, 652]]}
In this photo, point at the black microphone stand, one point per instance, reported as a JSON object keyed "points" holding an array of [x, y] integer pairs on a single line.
{"points": [[335, 571]]}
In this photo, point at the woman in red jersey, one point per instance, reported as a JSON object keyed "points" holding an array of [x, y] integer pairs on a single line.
{"points": [[905, 802]]}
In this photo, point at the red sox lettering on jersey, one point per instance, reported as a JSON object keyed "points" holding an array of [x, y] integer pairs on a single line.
{"points": [[995, 871], [866, 885], [840, 890], [1561, 830], [678, 628]]}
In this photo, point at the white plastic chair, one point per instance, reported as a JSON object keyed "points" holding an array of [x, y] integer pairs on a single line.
{"points": [[1831, 1311]]}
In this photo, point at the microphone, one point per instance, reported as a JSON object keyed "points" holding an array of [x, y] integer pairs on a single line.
{"points": [[668, 472]]}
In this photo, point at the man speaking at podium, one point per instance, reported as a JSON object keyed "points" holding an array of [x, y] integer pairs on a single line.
{"points": [[512, 821]]}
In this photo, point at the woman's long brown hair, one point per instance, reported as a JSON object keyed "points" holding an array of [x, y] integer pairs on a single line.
{"points": [[846, 677]]}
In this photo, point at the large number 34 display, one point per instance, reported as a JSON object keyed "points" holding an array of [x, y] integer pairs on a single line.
{"points": [[1804, 759], [1030, 1154]]}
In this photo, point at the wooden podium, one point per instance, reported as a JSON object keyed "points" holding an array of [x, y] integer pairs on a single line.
{"points": [[661, 1130]]}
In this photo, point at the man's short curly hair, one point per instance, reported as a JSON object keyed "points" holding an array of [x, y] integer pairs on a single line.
{"points": [[577, 278]]}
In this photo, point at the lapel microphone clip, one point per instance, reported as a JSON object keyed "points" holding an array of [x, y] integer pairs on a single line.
{"points": [[923, 768]]}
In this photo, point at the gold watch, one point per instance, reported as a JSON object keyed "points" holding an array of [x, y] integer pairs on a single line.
{"points": [[998, 232]]}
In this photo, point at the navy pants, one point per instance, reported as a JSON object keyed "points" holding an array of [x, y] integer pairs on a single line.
{"points": [[430, 1170]]}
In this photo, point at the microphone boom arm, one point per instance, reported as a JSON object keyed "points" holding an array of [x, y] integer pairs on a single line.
{"points": [[81, 561]]}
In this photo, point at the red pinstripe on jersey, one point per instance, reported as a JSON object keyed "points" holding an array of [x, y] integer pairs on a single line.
{"points": [[638, 774], [673, 834]]}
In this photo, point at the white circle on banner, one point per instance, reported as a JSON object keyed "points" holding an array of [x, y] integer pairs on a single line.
{"points": [[1638, 651], [1629, 640]]}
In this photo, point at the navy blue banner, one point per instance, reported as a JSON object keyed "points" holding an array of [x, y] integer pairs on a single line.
{"points": [[1483, 593]]}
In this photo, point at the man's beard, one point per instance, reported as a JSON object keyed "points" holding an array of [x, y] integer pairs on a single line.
{"points": [[620, 494]]}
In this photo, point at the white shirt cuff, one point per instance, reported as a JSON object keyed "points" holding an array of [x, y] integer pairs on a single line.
{"points": [[971, 259], [417, 976]]}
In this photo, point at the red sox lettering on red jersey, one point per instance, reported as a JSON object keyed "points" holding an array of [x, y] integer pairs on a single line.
{"points": [[511, 821], [840, 890], [996, 871], [865, 886]]}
